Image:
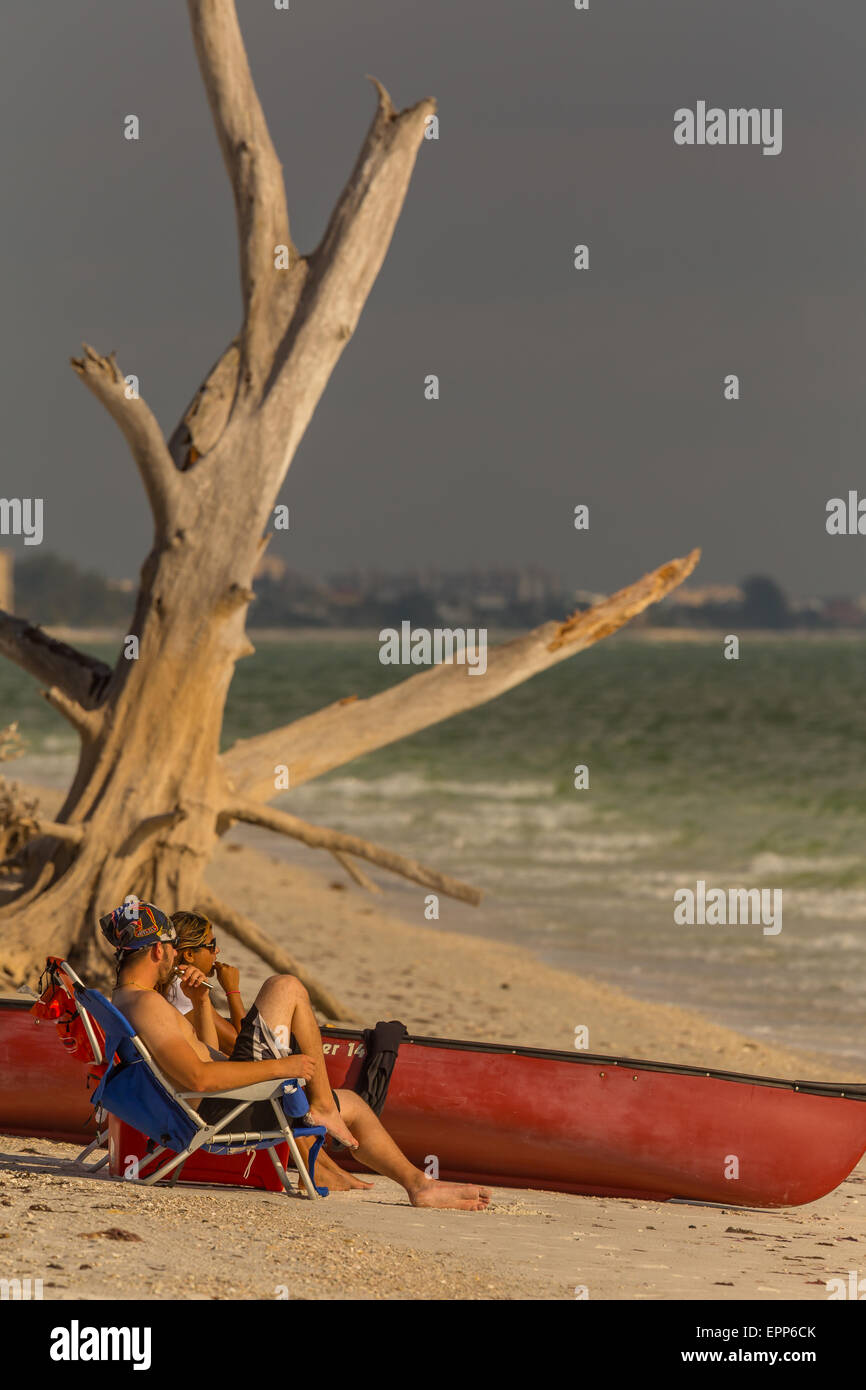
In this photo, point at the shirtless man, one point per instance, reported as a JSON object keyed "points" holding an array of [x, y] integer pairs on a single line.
{"points": [[143, 940]]}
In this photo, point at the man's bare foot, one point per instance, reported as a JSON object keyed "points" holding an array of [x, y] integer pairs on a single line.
{"points": [[462, 1196], [344, 1182], [334, 1124]]}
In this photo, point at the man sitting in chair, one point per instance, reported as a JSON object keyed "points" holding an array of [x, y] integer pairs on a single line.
{"points": [[144, 943]]}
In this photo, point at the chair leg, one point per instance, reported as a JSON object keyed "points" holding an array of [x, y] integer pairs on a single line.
{"points": [[79, 1160], [309, 1185], [167, 1168], [146, 1159], [281, 1172], [172, 1182]]}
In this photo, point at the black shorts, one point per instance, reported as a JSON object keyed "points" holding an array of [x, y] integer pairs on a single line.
{"points": [[254, 1043]]}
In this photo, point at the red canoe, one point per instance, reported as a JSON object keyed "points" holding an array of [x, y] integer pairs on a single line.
{"points": [[44, 1089], [524, 1117], [612, 1126]]}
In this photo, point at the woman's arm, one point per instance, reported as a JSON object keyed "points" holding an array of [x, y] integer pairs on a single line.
{"points": [[225, 1031], [210, 1027], [229, 977]]}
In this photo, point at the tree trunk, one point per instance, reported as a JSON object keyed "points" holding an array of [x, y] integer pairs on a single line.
{"points": [[151, 792]]}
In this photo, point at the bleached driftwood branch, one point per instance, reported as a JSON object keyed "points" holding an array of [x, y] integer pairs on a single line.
{"points": [[320, 837], [345, 730], [80, 677], [104, 379]]}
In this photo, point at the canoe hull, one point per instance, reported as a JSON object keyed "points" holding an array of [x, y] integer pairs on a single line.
{"points": [[44, 1090], [607, 1127], [598, 1126]]}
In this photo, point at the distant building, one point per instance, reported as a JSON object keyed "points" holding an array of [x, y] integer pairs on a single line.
{"points": [[710, 593], [529, 588], [842, 612], [7, 588]]}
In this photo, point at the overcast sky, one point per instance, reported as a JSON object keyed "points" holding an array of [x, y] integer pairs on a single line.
{"points": [[557, 386]]}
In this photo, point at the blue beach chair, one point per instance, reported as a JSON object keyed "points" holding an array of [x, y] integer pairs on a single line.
{"points": [[137, 1092]]}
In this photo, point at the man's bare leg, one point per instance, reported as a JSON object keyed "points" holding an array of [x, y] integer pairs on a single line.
{"points": [[378, 1151], [327, 1173], [284, 1003]]}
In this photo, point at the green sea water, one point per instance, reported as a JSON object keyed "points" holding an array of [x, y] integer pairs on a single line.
{"points": [[746, 774]]}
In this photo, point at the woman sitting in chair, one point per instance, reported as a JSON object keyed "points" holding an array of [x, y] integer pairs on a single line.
{"points": [[197, 959]]}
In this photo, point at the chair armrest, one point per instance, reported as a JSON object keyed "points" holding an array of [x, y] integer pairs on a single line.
{"points": [[258, 1090]]}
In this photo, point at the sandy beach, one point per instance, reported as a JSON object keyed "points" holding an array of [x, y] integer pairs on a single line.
{"points": [[197, 1243], [82, 1236]]}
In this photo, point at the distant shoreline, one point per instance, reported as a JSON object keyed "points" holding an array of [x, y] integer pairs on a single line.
{"points": [[496, 635]]}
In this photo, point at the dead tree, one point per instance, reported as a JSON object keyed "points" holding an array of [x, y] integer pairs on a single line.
{"points": [[151, 793]]}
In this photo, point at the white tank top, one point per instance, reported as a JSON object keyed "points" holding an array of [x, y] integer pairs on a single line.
{"points": [[175, 995]]}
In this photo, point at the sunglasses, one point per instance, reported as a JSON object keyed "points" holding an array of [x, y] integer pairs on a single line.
{"points": [[207, 945]]}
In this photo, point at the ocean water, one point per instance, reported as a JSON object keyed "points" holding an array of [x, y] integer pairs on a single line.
{"points": [[743, 774]]}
